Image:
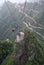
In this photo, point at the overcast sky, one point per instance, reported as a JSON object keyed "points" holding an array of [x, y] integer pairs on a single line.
{"points": [[18, 1]]}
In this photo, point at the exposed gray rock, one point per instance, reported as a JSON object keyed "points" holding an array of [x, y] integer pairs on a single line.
{"points": [[21, 54]]}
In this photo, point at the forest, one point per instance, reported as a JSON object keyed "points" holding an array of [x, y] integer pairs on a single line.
{"points": [[24, 21]]}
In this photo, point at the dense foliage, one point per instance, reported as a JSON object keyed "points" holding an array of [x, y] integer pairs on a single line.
{"points": [[11, 19], [5, 49], [34, 49]]}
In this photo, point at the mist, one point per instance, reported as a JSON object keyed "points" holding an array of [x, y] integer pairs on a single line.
{"points": [[17, 1]]}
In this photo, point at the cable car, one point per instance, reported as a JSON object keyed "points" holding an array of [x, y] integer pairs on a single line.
{"points": [[13, 29]]}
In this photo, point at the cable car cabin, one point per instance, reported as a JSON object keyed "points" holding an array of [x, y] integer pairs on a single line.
{"points": [[13, 29]]}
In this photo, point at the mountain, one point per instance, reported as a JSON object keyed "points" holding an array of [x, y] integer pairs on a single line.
{"points": [[9, 18], [12, 16], [32, 55], [34, 18], [30, 20]]}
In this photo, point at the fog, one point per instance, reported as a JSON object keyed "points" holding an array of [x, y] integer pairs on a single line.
{"points": [[17, 1]]}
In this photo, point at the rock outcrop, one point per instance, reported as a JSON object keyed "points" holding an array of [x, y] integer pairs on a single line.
{"points": [[21, 54]]}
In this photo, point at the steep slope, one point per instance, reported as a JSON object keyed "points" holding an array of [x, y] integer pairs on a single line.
{"points": [[6, 48], [34, 18], [35, 51], [9, 19], [12, 16]]}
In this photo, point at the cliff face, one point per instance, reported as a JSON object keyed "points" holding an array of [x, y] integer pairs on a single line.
{"points": [[27, 50], [21, 54]]}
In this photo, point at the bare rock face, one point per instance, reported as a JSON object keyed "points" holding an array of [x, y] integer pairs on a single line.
{"points": [[21, 55], [20, 37]]}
